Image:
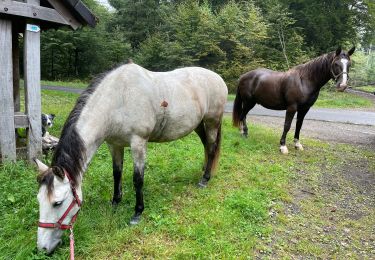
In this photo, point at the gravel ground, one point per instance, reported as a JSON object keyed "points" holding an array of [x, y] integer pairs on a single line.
{"points": [[361, 135], [331, 208]]}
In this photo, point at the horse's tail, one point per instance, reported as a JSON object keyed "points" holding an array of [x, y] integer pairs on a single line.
{"points": [[237, 108], [217, 148]]}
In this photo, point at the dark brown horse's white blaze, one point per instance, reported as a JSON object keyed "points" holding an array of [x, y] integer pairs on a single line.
{"points": [[128, 106], [295, 90]]}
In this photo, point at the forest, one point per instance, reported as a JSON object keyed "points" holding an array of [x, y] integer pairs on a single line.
{"points": [[229, 37]]}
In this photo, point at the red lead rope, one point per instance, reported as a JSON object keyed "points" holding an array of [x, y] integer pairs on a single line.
{"points": [[71, 236], [59, 224]]}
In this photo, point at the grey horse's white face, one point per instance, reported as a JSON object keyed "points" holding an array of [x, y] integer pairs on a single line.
{"points": [[52, 205]]}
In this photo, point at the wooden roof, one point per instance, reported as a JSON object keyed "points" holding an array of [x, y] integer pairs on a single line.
{"points": [[49, 14]]}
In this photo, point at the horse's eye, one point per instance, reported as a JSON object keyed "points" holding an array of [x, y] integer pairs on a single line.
{"points": [[57, 203]]}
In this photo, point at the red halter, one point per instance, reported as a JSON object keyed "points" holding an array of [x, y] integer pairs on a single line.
{"points": [[59, 224]]}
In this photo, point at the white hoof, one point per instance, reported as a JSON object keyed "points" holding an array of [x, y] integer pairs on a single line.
{"points": [[242, 132], [284, 149], [298, 145]]}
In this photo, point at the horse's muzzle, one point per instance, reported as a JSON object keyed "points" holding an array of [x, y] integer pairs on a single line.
{"points": [[48, 249], [341, 88]]}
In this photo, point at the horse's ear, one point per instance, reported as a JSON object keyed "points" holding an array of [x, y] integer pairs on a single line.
{"points": [[41, 166], [58, 172], [351, 51], [338, 51]]}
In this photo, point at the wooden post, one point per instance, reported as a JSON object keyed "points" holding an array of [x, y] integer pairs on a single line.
{"points": [[32, 87], [16, 69], [7, 134]]}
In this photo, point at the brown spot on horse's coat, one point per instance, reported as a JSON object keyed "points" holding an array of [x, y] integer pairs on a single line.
{"points": [[164, 104]]}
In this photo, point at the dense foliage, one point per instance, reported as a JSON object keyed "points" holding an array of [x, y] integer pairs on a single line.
{"points": [[229, 37]]}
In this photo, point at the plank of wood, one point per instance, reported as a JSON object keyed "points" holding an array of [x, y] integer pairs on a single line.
{"points": [[16, 69], [66, 13], [20, 120], [32, 92], [7, 133], [32, 11]]}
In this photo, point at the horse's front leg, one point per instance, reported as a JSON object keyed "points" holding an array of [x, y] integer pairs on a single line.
{"points": [[117, 154], [138, 147], [300, 116], [288, 121]]}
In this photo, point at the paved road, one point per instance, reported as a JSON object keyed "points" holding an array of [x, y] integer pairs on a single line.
{"points": [[65, 89], [320, 114]]}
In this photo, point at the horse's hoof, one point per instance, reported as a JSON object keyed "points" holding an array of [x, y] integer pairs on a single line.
{"points": [[244, 135], [116, 201], [298, 145], [284, 149], [202, 184], [135, 220]]}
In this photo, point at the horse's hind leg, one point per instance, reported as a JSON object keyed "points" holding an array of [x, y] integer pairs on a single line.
{"points": [[138, 147], [117, 164], [212, 149], [288, 121], [247, 106], [202, 135], [300, 116]]}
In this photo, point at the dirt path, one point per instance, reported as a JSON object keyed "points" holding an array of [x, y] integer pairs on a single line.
{"points": [[330, 213], [331, 208]]}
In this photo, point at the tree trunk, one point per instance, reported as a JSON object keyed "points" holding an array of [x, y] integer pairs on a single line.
{"points": [[282, 43]]}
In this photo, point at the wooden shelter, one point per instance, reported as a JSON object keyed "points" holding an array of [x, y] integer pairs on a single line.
{"points": [[28, 17]]}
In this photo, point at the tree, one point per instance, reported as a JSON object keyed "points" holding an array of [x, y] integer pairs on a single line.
{"points": [[194, 34], [68, 54], [138, 19], [285, 40]]}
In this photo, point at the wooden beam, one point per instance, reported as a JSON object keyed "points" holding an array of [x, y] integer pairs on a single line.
{"points": [[66, 13], [16, 69], [32, 90], [31, 11], [20, 120], [7, 133]]}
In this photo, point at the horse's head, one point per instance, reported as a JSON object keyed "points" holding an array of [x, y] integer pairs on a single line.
{"points": [[59, 202], [340, 68]]}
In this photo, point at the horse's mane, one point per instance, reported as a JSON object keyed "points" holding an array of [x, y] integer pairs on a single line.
{"points": [[70, 151], [316, 66]]}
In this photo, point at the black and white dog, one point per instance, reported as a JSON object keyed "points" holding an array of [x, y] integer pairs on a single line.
{"points": [[47, 122]]}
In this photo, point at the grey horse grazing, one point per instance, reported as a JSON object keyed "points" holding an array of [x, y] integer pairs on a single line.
{"points": [[129, 106]]}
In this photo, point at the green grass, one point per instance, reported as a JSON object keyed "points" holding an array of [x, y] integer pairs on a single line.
{"points": [[230, 219], [370, 89], [71, 84], [330, 99], [231, 97]]}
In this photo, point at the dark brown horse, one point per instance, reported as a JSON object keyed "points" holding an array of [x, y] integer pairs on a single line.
{"points": [[295, 90]]}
